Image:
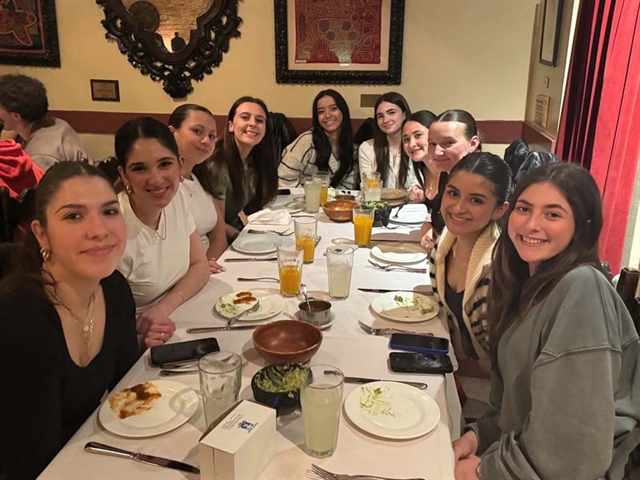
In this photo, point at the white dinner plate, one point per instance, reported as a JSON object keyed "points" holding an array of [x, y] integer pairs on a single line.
{"points": [[175, 407], [257, 244], [391, 194], [271, 304], [405, 307], [392, 410], [409, 214], [290, 206], [398, 253]]}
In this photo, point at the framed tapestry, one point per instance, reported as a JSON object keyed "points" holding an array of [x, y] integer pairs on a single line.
{"points": [[339, 41], [28, 33]]}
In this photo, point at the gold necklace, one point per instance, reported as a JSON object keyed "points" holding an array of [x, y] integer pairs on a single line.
{"points": [[85, 326], [455, 251], [432, 182], [165, 227]]}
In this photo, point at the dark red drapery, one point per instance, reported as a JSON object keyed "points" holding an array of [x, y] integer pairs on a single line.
{"points": [[600, 122]]}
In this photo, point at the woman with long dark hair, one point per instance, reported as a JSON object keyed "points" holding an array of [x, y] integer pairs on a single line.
{"points": [[68, 317], [384, 152], [415, 142], [566, 356], [195, 131], [327, 147]]}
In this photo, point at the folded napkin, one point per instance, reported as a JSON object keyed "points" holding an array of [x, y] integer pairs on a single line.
{"points": [[270, 217]]}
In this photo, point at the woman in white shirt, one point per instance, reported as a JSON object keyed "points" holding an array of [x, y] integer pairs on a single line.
{"points": [[194, 129], [327, 147], [384, 152], [164, 260]]}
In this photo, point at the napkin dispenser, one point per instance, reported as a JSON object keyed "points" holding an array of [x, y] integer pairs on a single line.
{"points": [[239, 444]]}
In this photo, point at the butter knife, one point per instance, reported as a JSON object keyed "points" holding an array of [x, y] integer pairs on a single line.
{"points": [[388, 290], [100, 448], [382, 240], [251, 259], [220, 329], [419, 385]]}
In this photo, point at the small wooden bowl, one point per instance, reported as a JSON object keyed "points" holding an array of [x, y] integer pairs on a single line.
{"points": [[287, 341], [339, 210]]}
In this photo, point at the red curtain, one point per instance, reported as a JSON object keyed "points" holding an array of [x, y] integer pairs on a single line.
{"points": [[600, 122]]}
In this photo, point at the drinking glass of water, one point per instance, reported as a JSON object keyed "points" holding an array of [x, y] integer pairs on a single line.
{"points": [[339, 267], [220, 380]]}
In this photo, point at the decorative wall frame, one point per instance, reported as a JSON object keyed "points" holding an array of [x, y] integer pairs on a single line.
{"points": [[298, 34], [551, 22], [175, 60], [29, 33]]}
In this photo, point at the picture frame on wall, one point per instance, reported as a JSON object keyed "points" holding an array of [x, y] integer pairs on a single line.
{"points": [[338, 42], [33, 36], [551, 22]]}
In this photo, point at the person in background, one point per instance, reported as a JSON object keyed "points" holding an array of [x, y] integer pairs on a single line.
{"points": [[474, 199], [68, 317], [23, 108], [164, 260], [384, 152], [565, 383], [452, 135], [244, 169], [327, 147], [194, 129]]}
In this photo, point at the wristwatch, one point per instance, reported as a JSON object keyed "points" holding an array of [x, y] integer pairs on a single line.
{"points": [[478, 474]]}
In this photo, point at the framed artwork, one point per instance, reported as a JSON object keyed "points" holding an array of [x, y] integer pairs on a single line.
{"points": [[105, 90], [28, 33], [339, 41], [551, 21]]}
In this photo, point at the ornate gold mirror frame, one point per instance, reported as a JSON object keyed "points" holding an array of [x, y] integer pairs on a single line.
{"points": [[172, 41]]}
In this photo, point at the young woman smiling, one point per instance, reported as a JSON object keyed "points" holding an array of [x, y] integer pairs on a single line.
{"points": [[194, 129], [165, 261], [244, 169], [384, 152], [68, 318], [327, 147], [566, 355], [474, 199]]}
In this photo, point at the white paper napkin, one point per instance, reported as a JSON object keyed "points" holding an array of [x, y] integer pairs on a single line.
{"points": [[270, 217]]}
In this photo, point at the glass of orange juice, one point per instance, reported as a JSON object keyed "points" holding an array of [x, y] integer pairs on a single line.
{"points": [[290, 269], [371, 179], [325, 178], [362, 224], [306, 229]]}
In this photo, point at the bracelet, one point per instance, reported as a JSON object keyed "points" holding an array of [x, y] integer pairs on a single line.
{"points": [[181, 295], [478, 474]]}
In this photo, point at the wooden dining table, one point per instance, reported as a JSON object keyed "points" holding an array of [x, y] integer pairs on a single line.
{"points": [[345, 345]]}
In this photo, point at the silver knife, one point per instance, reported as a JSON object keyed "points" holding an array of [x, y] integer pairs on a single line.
{"points": [[251, 259], [220, 329], [100, 448], [386, 290], [419, 385], [381, 240]]}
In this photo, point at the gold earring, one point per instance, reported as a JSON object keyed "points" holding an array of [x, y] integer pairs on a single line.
{"points": [[46, 254]]}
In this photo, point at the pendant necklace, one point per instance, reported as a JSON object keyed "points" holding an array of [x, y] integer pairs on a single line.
{"points": [[455, 251], [84, 324]]}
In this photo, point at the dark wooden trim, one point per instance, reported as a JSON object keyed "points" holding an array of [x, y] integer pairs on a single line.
{"points": [[537, 138], [107, 123]]}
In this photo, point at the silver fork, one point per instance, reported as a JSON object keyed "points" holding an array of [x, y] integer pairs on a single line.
{"points": [[282, 234], [390, 268], [233, 319], [398, 211], [326, 475], [386, 331]]}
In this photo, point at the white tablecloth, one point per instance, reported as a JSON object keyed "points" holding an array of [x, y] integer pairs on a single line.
{"points": [[345, 345]]}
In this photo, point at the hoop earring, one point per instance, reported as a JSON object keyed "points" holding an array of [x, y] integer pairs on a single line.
{"points": [[46, 255]]}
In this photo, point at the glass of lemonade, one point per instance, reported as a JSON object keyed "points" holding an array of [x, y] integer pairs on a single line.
{"points": [[306, 229], [339, 267], [371, 194], [371, 179], [312, 191], [321, 401], [220, 380], [325, 177], [290, 269], [362, 224]]}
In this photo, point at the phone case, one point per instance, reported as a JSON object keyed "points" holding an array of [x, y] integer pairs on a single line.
{"points": [[181, 351], [420, 363], [396, 343]]}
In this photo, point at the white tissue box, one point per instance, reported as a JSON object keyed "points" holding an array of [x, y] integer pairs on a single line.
{"points": [[240, 444]]}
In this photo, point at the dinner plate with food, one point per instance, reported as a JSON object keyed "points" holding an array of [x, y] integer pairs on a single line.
{"points": [[148, 408], [405, 307], [230, 305]]}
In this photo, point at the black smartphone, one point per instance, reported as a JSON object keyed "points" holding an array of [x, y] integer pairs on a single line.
{"points": [[284, 191], [182, 351], [418, 343], [420, 362]]}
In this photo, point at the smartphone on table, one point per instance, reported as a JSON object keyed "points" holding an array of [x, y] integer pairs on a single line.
{"points": [[419, 343], [284, 191], [402, 362], [183, 351]]}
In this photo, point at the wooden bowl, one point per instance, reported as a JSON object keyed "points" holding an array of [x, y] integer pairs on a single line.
{"points": [[287, 341], [339, 210]]}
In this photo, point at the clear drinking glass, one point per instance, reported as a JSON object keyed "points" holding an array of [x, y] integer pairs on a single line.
{"points": [[321, 400], [220, 380], [371, 179], [362, 224], [290, 261], [339, 267], [371, 194], [306, 229], [325, 178], [312, 191]]}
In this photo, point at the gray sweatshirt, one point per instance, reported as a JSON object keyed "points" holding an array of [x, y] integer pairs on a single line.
{"points": [[55, 143], [565, 395]]}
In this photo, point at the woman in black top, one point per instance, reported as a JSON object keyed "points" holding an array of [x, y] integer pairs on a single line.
{"points": [[68, 317]]}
